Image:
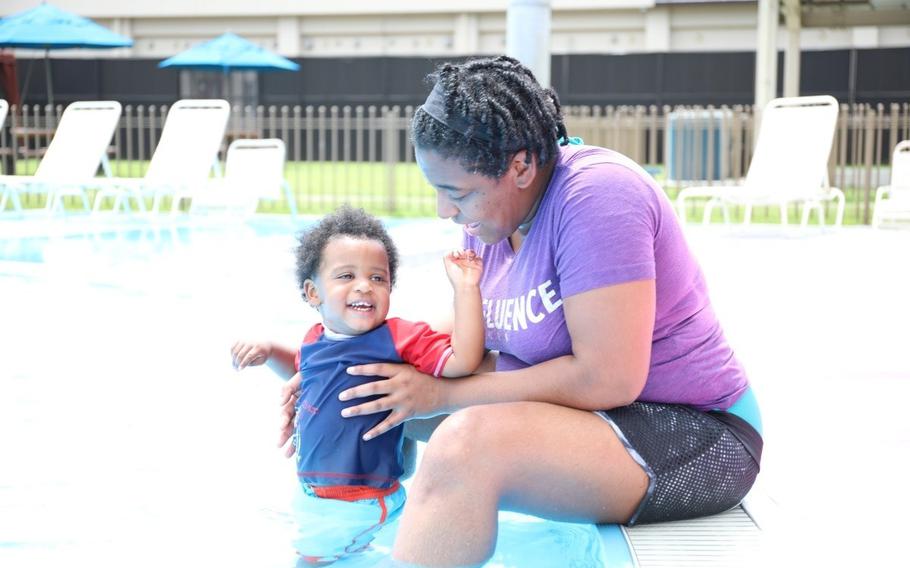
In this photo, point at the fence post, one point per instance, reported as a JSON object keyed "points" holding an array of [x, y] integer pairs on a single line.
{"points": [[698, 129], [13, 115], [390, 151], [295, 154], [284, 123], [667, 110], [842, 130], [333, 129], [330, 124], [140, 134], [652, 135], [414, 197], [346, 137], [359, 139], [868, 152], [128, 111], [879, 133], [26, 143], [857, 141], [736, 148], [638, 133], [358, 129], [273, 122], [373, 131], [320, 111], [260, 121], [39, 124], [711, 142], [346, 129]]}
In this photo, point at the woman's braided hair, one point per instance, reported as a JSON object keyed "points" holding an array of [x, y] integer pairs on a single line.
{"points": [[502, 97], [345, 221]]}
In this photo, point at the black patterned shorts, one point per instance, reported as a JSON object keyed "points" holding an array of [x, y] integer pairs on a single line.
{"points": [[698, 463]]}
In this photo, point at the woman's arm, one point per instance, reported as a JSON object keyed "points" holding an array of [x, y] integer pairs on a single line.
{"points": [[611, 330]]}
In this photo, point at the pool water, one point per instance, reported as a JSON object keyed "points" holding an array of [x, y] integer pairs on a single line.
{"points": [[127, 439]]}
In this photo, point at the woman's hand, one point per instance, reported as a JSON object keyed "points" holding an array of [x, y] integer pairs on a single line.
{"points": [[408, 394], [290, 392], [250, 354]]}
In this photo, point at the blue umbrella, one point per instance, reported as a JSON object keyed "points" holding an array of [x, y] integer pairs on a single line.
{"points": [[48, 27], [230, 52]]}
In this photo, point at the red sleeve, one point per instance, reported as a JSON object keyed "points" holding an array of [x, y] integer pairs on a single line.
{"points": [[420, 346], [310, 337]]}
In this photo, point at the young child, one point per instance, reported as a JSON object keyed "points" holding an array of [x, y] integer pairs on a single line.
{"points": [[346, 268]]}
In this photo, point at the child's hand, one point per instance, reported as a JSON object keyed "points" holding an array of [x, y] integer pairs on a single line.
{"points": [[463, 267], [250, 354]]}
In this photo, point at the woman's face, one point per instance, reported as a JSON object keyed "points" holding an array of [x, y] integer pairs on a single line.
{"points": [[489, 209]]}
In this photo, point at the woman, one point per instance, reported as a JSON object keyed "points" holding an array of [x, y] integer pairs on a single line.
{"points": [[615, 396]]}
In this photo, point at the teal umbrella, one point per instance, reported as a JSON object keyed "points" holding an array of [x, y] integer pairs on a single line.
{"points": [[48, 27], [230, 52]]}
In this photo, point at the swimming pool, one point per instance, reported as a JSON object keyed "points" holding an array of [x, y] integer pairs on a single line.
{"points": [[127, 437]]}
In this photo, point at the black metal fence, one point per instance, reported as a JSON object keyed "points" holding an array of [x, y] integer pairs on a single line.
{"points": [[362, 154]]}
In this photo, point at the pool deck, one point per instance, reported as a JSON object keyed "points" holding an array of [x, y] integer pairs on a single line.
{"points": [[818, 317]]}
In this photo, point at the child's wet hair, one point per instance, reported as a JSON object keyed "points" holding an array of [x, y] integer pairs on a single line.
{"points": [[345, 221]]}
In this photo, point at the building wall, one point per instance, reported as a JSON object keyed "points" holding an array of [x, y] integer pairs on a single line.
{"points": [[870, 75], [358, 52], [444, 28]]}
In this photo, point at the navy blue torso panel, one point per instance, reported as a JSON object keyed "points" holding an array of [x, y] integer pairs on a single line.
{"points": [[330, 448]]}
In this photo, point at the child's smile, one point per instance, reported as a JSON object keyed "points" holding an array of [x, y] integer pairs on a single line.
{"points": [[352, 286]]}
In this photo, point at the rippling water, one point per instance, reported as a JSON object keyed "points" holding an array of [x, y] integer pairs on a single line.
{"points": [[125, 437]]}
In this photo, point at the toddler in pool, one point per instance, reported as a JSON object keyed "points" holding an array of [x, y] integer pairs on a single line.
{"points": [[349, 487]]}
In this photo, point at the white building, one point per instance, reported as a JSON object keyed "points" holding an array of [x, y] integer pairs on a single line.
{"points": [[441, 28]]}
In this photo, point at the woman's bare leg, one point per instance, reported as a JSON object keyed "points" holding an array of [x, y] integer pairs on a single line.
{"points": [[536, 458], [418, 430]]}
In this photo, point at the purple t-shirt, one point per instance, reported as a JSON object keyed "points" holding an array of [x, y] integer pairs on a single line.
{"points": [[604, 221]]}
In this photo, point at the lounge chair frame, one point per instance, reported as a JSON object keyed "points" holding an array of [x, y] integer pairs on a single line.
{"points": [[790, 164], [75, 153]]}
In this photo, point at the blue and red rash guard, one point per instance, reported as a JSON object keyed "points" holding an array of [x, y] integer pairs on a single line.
{"points": [[330, 450]]}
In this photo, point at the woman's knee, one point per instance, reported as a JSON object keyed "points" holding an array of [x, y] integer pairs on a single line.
{"points": [[467, 442]]}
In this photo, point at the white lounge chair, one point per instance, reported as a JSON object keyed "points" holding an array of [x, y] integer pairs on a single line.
{"points": [[253, 170], [77, 149], [4, 108], [892, 201], [790, 163], [186, 154]]}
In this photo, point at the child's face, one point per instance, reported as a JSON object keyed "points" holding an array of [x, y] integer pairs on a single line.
{"points": [[352, 286]]}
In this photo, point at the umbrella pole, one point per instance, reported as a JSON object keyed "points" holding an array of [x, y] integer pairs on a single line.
{"points": [[28, 77], [47, 77], [226, 82]]}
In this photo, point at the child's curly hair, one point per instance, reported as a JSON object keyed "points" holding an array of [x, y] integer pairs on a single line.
{"points": [[346, 220]]}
